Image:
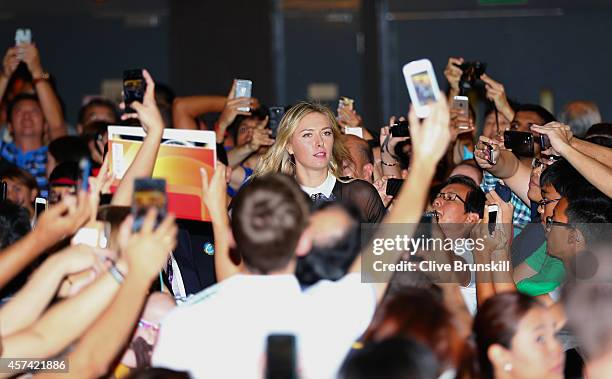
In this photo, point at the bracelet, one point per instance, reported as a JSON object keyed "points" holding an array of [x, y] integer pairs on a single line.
{"points": [[388, 164], [117, 275]]}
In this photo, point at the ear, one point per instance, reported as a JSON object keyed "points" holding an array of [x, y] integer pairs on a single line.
{"points": [[368, 170], [304, 244], [575, 239], [472, 218], [289, 148], [499, 356], [231, 240]]}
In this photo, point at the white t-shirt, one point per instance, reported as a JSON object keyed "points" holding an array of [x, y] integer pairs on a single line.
{"points": [[224, 335]]}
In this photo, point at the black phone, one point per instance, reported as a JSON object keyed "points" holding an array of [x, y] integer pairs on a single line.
{"points": [[544, 142], [521, 143], [149, 193], [394, 186], [488, 153], [134, 86], [281, 357], [3, 191], [504, 192], [400, 129], [275, 114]]}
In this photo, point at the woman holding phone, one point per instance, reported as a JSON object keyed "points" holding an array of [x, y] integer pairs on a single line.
{"points": [[308, 148]]}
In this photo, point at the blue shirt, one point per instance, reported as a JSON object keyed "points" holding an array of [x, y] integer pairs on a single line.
{"points": [[35, 162], [522, 211]]}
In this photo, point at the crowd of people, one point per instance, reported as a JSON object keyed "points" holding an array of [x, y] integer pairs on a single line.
{"points": [[293, 295]]}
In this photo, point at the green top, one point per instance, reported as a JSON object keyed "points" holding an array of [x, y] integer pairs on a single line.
{"points": [[550, 273]]}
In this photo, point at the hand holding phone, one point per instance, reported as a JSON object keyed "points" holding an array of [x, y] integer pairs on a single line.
{"points": [[422, 85], [521, 143], [394, 186], [493, 209], [346, 102], [400, 129]]}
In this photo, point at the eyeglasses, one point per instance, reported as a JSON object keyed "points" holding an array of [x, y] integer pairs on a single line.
{"points": [[142, 323], [550, 223], [449, 196], [542, 203]]}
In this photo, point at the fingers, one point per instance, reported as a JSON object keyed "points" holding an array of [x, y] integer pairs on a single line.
{"points": [[415, 124], [232, 91], [150, 90], [148, 223], [167, 226], [125, 231]]}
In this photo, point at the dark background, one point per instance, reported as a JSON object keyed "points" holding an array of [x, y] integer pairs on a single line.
{"points": [[284, 45]]}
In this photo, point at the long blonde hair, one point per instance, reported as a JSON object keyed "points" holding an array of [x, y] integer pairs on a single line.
{"points": [[278, 159]]}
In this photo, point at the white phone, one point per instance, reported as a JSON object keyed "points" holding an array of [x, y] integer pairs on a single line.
{"points": [[40, 205], [358, 131], [243, 88], [493, 219], [23, 36], [422, 85], [461, 103]]}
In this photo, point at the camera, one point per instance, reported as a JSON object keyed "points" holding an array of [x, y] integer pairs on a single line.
{"points": [[472, 71]]}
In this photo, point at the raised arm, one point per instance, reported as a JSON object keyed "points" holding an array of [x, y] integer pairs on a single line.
{"points": [[144, 162], [230, 111], [215, 199], [430, 139], [101, 344], [260, 136], [49, 101], [57, 222], [186, 109], [389, 161], [30, 302], [594, 171], [9, 65]]}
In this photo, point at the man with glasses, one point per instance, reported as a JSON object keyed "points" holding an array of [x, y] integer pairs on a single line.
{"points": [[458, 206]]}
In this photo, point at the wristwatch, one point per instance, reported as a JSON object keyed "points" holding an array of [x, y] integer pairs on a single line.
{"points": [[44, 76]]}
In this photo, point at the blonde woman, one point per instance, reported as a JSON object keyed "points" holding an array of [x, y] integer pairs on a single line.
{"points": [[308, 148]]}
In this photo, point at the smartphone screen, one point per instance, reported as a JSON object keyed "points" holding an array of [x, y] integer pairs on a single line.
{"points": [[346, 102], [149, 193], [243, 88], [281, 357], [134, 87], [400, 129], [40, 205], [393, 186], [23, 36], [275, 115], [488, 152], [521, 143], [492, 218], [422, 85]]}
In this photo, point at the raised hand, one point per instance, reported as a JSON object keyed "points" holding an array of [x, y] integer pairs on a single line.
{"points": [[31, 57], [348, 117], [497, 94], [147, 250], [229, 113], [479, 151], [63, 219], [430, 136], [559, 135], [260, 136], [10, 62], [453, 73], [147, 111], [214, 194]]}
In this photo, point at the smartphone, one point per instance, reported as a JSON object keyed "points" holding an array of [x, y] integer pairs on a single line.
{"points": [[346, 102], [281, 357], [400, 129], [393, 186], [275, 115], [544, 142], [23, 36], [461, 103], [503, 191], [40, 205], [493, 209], [244, 88], [134, 86], [521, 143], [488, 153], [422, 85], [149, 193], [85, 167], [3, 191]]}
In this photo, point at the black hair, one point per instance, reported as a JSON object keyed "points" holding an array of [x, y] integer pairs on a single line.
{"points": [[600, 134], [157, 373], [21, 175], [164, 95], [65, 170], [545, 115], [591, 215], [490, 107], [332, 261], [475, 199], [69, 149], [14, 223], [393, 358], [20, 97], [568, 181], [100, 102]]}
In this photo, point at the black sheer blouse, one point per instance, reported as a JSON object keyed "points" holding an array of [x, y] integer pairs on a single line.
{"points": [[362, 195]]}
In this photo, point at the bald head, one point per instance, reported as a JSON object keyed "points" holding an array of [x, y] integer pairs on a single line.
{"points": [[468, 170], [362, 165]]}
